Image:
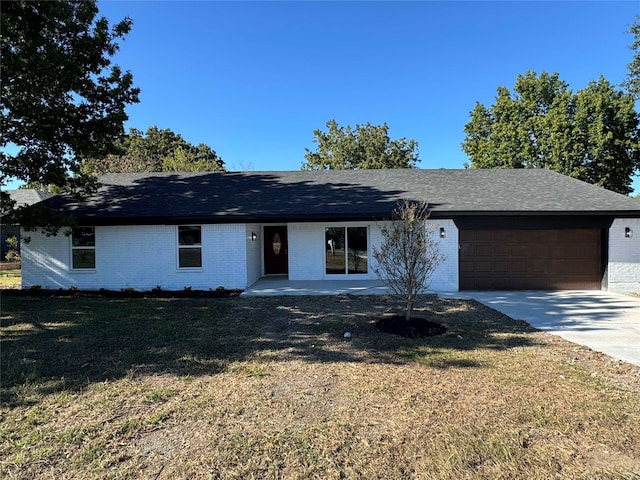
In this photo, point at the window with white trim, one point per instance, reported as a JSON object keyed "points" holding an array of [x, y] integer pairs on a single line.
{"points": [[346, 251], [83, 248], [189, 246]]}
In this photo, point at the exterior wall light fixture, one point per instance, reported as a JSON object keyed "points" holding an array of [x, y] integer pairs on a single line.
{"points": [[254, 237], [443, 233], [628, 233]]}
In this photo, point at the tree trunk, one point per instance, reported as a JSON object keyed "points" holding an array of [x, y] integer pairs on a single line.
{"points": [[410, 304]]}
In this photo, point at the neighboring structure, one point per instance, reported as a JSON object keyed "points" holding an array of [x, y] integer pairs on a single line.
{"points": [[26, 196], [500, 229]]}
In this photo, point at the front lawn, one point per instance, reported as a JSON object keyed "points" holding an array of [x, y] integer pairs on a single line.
{"points": [[237, 388], [10, 278]]}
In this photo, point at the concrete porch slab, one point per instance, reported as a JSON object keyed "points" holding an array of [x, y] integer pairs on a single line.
{"points": [[281, 285]]}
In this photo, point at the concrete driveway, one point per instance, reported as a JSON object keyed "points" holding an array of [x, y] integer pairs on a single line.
{"points": [[603, 321]]}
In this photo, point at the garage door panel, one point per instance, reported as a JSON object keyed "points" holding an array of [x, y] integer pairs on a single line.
{"points": [[530, 259], [501, 236], [536, 265], [484, 283], [466, 250], [519, 251], [576, 267], [522, 236], [466, 267], [484, 267], [502, 267], [484, 236], [466, 236], [518, 266]]}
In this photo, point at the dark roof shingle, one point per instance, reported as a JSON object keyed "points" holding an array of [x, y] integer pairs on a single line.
{"points": [[337, 194]]}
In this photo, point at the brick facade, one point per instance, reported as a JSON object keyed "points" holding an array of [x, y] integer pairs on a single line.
{"points": [[145, 257], [624, 256], [139, 257]]}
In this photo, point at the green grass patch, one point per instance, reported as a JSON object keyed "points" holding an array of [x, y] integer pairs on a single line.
{"points": [[10, 278]]}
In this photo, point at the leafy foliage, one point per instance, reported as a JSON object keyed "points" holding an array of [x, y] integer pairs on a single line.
{"points": [[156, 151], [13, 254], [632, 82], [365, 147], [408, 254], [62, 100], [591, 135]]}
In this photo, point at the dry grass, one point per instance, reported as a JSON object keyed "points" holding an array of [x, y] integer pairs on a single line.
{"points": [[10, 278], [269, 388]]}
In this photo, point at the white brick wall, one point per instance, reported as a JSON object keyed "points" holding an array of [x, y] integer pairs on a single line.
{"points": [[624, 256], [139, 257], [143, 257], [445, 278], [254, 253], [45, 260], [307, 249]]}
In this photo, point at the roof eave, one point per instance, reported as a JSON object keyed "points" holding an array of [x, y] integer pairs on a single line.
{"points": [[337, 217]]}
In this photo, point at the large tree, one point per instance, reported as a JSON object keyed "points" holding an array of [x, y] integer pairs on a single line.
{"points": [[366, 146], [591, 135], [62, 99], [156, 151], [632, 82]]}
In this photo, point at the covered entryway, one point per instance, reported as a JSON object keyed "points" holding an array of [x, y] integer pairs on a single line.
{"points": [[276, 250], [545, 259]]}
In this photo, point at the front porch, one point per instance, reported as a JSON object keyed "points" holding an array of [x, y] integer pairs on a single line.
{"points": [[275, 285]]}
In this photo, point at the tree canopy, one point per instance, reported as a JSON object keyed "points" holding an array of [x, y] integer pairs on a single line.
{"points": [[591, 135], [365, 147], [62, 100], [156, 151], [632, 82]]}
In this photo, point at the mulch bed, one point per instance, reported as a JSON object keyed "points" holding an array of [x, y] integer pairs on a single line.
{"points": [[102, 293], [9, 265], [414, 328]]}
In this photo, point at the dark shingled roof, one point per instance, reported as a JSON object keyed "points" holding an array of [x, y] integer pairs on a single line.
{"points": [[337, 194], [25, 196]]}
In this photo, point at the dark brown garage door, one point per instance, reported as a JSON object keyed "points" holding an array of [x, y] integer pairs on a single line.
{"points": [[530, 259]]}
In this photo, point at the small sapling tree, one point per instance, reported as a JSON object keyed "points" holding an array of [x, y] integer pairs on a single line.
{"points": [[409, 253]]}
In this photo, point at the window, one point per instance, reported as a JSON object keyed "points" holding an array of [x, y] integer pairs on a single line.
{"points": [[189, 246], [83, 247], [346, 250]]}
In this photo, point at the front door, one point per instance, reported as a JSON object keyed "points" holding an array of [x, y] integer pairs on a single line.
{"points": [[276, 250]]}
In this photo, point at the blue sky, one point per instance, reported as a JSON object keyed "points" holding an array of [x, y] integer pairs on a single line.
{"points": [[254, 79]]}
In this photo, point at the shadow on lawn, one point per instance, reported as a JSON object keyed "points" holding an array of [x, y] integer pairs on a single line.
{"points": [[56, 344]]}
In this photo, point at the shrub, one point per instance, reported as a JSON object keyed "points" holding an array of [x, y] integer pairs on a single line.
{"points": [[13, 255]]}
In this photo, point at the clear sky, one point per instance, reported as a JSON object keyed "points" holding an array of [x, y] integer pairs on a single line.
{"points": [[254, 79]]}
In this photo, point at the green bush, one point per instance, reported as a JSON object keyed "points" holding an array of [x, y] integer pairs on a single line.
{"points": [[12, 254]]}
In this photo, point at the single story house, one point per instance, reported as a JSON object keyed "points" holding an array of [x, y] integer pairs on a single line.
{"points": [[499, 229]]}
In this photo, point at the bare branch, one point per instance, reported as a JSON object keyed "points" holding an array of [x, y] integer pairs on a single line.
{"points": [[409, 253]]}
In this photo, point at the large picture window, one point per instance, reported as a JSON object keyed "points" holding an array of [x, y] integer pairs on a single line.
{"points": [[346, 250], [189, 246], [83, 247]]}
